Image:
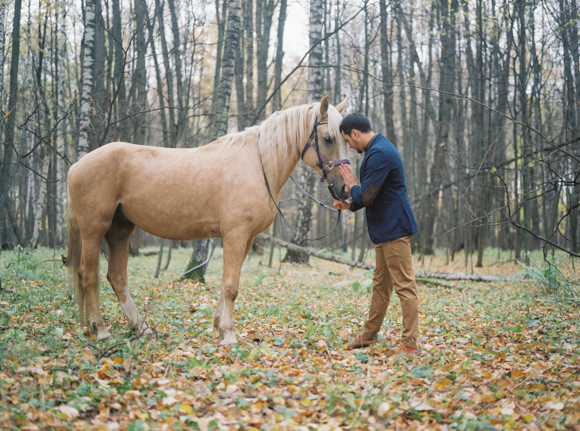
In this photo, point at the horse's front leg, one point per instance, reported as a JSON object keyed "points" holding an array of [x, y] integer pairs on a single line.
{"points": [[235, 251]]}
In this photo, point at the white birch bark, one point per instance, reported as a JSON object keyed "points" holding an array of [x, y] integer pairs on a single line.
{"points": [[61, 177], [228, 65], [2, 45], [87, 79], [40, 203]]}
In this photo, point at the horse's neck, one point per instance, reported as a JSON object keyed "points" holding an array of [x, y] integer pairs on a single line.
{"points": [[280, 174]]}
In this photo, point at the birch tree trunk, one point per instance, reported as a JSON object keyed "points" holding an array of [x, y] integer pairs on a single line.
{"points": [[315, 93], [2, 52], [228, 67], [201, 247], [87, 79]]}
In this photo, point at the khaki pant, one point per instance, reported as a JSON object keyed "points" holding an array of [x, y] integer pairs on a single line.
{"points": [[394, 269]]}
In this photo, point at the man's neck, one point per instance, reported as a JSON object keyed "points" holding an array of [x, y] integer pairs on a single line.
{"points": [[368, 137]]}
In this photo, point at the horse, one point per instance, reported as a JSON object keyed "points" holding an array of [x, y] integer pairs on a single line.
{"points": [[228, 188]]}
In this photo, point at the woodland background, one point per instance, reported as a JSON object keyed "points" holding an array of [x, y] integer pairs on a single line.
{"points": [[480, 97]]}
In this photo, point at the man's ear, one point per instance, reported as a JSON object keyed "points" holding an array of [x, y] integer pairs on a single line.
{"points": [[340, 107]]}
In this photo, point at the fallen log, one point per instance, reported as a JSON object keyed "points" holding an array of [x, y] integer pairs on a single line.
{"points": [[423, 275], [314, 253], [467, 277]]}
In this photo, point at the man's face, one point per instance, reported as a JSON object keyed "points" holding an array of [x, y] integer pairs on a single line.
{"points": [[354, 140]]}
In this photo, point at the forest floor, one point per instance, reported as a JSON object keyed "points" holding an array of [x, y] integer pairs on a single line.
{"points": [[502, 355]]}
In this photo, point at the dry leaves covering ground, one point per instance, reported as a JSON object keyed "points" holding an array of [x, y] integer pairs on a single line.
{"points": [[494, 355]]}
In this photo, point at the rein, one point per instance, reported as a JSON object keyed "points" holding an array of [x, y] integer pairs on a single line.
{"points": [[325, 168]]}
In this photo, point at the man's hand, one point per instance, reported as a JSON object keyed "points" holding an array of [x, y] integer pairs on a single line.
{"points": [[348, 177], [340, 205]]}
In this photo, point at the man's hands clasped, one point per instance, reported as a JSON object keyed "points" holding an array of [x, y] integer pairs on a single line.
{"points": [[350, 181]]}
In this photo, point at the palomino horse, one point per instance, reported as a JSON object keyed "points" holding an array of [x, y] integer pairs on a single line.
{"points": [[217, 190]]}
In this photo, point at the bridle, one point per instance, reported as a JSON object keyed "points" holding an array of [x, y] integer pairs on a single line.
{"points": [[324, 165]]}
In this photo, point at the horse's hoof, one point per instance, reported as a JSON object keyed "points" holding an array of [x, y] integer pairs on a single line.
{"points": [[103, 336], [228, 340]]}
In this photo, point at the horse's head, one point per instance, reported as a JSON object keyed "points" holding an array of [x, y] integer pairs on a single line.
{"points": [[330, 150]]}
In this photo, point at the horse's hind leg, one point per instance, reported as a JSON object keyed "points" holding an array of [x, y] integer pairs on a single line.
{"points": [[235, 252], [118, 242], [88, 276]]}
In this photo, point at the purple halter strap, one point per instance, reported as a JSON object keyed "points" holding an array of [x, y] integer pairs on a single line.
{"points": [[324, 165]]}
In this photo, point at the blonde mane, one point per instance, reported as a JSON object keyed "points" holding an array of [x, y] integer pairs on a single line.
{"points": [[283, 132]]}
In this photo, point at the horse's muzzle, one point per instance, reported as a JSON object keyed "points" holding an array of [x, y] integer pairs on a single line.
{"points": [[341, 196]]}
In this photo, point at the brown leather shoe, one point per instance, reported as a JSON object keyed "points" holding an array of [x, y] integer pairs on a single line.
{"points": [[404, 351], [359, 342]]}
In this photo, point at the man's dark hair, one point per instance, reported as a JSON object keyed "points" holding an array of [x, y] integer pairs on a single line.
{"points": [[356, 121]]}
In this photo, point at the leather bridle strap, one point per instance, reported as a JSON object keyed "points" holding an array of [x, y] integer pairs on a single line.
{"points": [[324, 165], [280, 211]]}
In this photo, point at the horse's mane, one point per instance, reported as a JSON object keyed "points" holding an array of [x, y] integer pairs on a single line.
{"points": [[283, 132]]}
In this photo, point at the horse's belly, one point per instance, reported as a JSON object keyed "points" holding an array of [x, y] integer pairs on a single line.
{"points": [[174, 222]]}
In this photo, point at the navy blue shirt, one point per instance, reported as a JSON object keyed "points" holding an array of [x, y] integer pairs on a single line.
{"points": [[383, 192]]}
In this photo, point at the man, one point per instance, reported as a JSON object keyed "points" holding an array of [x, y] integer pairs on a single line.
{"points": [[391, 225]]}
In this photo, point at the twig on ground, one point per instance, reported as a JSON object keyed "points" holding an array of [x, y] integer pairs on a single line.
{"points": [[116, 347], [171, 359], [428, 281], [362, 400]]}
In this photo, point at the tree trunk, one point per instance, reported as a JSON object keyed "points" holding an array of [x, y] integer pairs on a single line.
{"points": [[2, 52], [239, 73], [139, 101], [199, 255], [87, 103], [447, 85], [228, 66], [221, 23], [120, 129], [249, 27], [7, 171], [387, 76], [264, 18], [168, 75], [221, 114], [277, 99], [315, 93]]}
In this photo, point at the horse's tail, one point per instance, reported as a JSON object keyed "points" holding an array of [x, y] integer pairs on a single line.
{"points": [[75, 246]]}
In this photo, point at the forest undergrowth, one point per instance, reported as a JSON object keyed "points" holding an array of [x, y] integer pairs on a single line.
{"points": [[500, 355]]}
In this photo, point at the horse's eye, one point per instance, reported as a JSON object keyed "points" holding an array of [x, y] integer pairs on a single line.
{"points": [[328, 140]]}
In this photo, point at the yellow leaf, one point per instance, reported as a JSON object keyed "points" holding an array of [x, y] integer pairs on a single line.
{"points": [[528, 418], [185, 408]]}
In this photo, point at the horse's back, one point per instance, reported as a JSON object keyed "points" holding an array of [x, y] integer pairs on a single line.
{"points": [[169, 192]]}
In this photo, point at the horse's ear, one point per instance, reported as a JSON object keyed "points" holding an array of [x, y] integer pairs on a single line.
{"points": [[324, 107], [340, 107]]}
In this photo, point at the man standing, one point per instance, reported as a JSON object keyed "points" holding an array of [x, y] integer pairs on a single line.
{"points": [[391, 225]]}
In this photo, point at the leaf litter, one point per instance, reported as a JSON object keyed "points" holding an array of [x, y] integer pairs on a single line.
{"points": [[492, 355]]}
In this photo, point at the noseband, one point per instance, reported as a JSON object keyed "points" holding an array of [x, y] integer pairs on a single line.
{"points": [[324, 165]]}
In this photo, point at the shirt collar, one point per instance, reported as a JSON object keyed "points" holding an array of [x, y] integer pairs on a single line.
{"points": [[371, 142]]}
